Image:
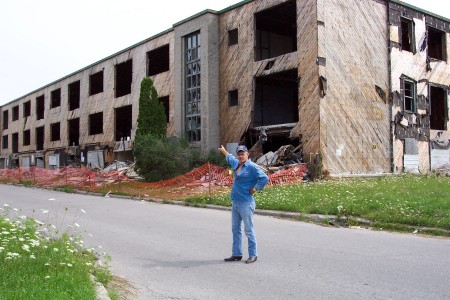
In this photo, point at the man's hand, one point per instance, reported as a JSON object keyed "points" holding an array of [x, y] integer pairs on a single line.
{"points": [[223, 150], [252, 191]]}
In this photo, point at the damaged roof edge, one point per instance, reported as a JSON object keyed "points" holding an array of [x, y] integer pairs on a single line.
{"points": [[420, 9]]}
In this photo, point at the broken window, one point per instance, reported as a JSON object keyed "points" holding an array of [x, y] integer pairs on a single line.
{"points": [[55, 130], [55, 98], [5, 142], [233, 37], [409, 95], [74, 132], [124, 122], [15, 113], [26, 138], [438, 108], [40, 107], [15, 142], [74, 95], [158, 60], [40, 138], [96, 123], [276, 31], [233, 98], [407, 34], [436, 44], [96, 83], [276, 99], [192, 87], [165, 101], [124, 74], [27, 109], [5, 119]]}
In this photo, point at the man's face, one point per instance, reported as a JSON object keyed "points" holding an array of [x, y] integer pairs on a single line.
{"points": [[242, 156]]}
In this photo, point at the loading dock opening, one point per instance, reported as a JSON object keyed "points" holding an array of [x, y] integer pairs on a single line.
{"points": [[276, 99]]}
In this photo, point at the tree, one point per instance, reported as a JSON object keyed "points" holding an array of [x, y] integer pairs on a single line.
{"points": [[152, 116]]}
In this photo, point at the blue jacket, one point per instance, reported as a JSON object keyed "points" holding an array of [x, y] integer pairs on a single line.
{"points": [[250, 176]]}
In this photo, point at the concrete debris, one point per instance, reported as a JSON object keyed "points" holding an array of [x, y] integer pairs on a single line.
{"points": [[285, 157], [123, 168], [443, 170]]}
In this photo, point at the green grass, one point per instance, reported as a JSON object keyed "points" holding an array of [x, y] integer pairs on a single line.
{"points": [[415, 200], [38, 263]]}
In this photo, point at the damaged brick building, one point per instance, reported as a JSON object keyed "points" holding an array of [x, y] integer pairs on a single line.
{"points": [[363, 82]]}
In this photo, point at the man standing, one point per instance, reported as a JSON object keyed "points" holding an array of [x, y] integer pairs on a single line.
{"points": [[248, 178]]}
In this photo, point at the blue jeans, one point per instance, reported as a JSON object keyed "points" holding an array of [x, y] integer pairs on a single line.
{"points": [[243, 211]]}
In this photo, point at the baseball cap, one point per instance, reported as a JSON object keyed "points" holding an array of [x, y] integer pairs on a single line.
{"points": [[241, 148]]}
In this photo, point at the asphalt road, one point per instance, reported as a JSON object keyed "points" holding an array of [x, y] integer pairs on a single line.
{"points": [[176, 252]]}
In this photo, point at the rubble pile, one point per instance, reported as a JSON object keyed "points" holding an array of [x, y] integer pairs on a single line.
{"points": [[443, 170], [273, 162], [123, 168]]}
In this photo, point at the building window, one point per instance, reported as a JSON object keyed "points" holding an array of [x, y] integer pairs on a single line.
{"points": [[124, 123], [158, 60], [15, 113], [409, 96], [407, 34], [74, 132], [40, 107], [232, 37], [26, 138], [276, 30], [55, 130], [165, 101], [5, 142], [55, 98], [15, 142], [436, 44], [438, 108], [124, 76], [192, 87], [96, 123], [74, 95], [5, 119], [27, 109], [233, 98], [40, 138], [96, 83]]}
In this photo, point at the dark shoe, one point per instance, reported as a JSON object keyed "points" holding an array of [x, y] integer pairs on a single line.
{"points": [[251, 259], [233, 258]]}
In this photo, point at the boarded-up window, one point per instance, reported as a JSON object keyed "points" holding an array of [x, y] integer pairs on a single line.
{"points": [[436, 44], [438, 108], [407, 34], [158, 60]]}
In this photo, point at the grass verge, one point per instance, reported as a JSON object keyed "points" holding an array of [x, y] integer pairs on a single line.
{"points": [[401, 201], [37, 262]]}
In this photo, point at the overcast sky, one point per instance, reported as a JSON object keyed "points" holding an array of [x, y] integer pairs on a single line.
{"points": [[44, 40]]}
